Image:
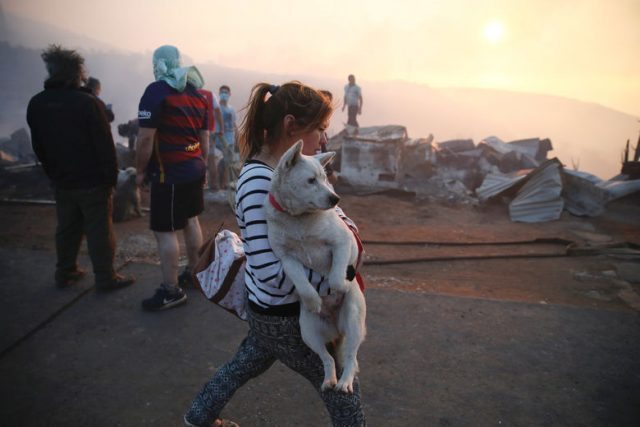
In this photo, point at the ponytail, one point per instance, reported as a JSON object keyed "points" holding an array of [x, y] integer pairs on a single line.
{"points": [[252, 135]]}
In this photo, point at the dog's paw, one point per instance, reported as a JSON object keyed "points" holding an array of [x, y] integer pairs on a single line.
{"points": [[345, 386], [313, 303], [339, 285], [328, 384]]}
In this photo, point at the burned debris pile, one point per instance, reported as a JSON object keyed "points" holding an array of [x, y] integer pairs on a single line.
{"points": [[20, 177], [23, 180], [16, 149], [520, 173], [631, 168], [384, 158]]}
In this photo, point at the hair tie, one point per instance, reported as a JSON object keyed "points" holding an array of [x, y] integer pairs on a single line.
{"points": [[273, 89]]}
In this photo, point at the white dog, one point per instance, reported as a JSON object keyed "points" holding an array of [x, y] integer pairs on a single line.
{"points": [[126, 197], [305, 230]]}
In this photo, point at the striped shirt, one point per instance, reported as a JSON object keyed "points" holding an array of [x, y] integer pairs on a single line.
{"points": [[178, 118], [265, 279]]}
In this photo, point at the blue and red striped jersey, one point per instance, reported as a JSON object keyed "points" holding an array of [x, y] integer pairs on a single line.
{"points": [[178, 118]]}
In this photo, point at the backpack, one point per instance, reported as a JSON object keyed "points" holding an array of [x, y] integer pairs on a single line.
{"points": [[220, 272]]}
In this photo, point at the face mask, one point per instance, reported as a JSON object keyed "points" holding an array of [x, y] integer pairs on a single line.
{"points": [[224, 96]]}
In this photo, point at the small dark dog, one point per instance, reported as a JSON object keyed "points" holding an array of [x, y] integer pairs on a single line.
{"points": [[126, 198]]}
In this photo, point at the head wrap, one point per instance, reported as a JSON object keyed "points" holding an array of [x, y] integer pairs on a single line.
{"points": [[167, 67]]}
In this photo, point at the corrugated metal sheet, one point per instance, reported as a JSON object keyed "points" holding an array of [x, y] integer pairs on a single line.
{"points": [[583, 175], [581, 195], [496, 143], [587, 195], [539, 199], [538, 211], [457, 145], [530, 146], [618, 189], [389, 133], [522, 152], [496, 183]]}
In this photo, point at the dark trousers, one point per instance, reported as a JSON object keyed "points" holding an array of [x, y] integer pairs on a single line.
{"points": [[85, 212], [352, 114], [273, 338]]}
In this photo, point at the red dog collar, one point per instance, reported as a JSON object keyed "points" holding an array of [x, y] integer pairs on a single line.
{"points": [[275, 203]]}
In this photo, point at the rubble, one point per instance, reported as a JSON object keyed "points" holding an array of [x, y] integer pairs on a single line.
{"points": [[536, 188], [22, 178], [539, 198], [631, 168], [391, 134], [582, 195], [16, 149], [536, 193], [385, 158]]}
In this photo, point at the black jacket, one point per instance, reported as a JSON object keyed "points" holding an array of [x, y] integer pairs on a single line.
{"points": [[72, 138]]}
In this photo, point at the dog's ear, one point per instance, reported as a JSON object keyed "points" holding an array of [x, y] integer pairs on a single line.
{"points": [[325, 158], [292, 155]]}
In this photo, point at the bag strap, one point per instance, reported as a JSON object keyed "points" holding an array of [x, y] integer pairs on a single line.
{"points": [[209, 241], [228, 279]]}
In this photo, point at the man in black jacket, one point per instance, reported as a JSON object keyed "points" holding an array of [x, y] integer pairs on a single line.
{"points": [[72, 139]]}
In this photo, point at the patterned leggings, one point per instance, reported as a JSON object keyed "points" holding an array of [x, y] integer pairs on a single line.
{"points": [[272, 338]]}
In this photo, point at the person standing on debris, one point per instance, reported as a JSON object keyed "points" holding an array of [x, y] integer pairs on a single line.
{"points": [[72, 139], [95, 87], [228, 130], [277, 117], [172, 154], [353, 101]]}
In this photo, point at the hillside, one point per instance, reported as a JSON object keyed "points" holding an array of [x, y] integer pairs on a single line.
{"points": [[587, 133]]}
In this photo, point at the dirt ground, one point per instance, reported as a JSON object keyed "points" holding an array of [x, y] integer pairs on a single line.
{"points": [[596, 281], [540, 339]]}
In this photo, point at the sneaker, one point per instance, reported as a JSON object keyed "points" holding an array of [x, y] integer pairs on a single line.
{"points": [[118, 282], [165, 297], [186, 279], [70, 278]]}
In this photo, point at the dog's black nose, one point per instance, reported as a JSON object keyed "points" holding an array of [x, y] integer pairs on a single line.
{"points": [[333, 199]]}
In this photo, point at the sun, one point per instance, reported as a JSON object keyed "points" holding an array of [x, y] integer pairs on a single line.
{"points": [[494, 31]]}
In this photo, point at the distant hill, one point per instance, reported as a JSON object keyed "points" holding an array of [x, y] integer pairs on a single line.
{"points": [[21, 31], [588, 133]]}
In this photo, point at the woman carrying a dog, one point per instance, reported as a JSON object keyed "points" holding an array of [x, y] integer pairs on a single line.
{"points": [[277, 117]]}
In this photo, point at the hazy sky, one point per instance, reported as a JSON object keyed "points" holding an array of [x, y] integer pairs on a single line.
{"points": [[583, 49]]}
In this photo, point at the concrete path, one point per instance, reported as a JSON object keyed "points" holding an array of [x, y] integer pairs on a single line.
{"points": [[78, 358]]}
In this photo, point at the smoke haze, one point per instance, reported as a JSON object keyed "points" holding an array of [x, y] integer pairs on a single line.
{"points": [[587, 133]]}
